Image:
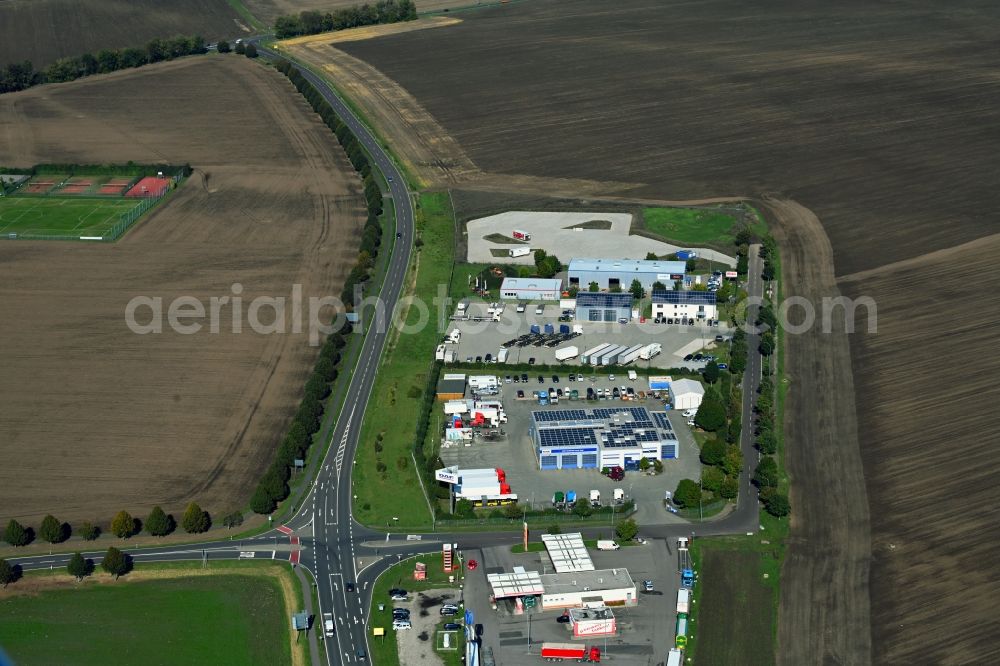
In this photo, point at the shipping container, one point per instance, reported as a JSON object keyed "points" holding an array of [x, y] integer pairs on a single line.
{"points": [[630, 354], [566, 353], [519, 252], [609, 356], [589, 354]]}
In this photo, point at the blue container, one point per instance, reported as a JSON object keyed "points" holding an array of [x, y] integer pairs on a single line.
{"points": [[535, 328], [564, 328], [549, 328], [684, 255]]}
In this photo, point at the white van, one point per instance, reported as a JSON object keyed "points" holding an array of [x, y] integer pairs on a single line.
{"points": [[540, 310]]}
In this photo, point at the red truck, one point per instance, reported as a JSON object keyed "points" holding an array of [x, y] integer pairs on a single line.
{"points": [[569, 651]]}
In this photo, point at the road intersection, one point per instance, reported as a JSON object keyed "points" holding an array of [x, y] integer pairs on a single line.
{"points": [[323, 536]]}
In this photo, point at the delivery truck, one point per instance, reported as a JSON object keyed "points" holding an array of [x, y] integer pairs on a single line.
{"points": [[595, 498], [517, 234], [502, 355], [650, 350], [675, 657], [683, 600], [566, 353], [570, 652], [607, 544], [619, 496]]}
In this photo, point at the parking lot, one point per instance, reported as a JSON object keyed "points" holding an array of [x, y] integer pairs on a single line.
{"points": [[515, 453], [645, 631], [479, 338]]}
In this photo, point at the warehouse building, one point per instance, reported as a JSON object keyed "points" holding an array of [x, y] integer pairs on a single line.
{"points": [[451, 387], [611, 273], [686, 393], [604, 587], [595, 306], [531, 289], [601, 437], [685, 304]]}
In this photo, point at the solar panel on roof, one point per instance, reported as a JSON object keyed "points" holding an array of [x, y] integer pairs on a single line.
{"points": [[591, 299], [684, 297]]}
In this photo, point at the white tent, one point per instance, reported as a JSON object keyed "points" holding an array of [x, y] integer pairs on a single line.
{"points": [[686, 393]]}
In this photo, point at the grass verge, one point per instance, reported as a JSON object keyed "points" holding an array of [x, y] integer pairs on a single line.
{"points": [[690, 226], [393, 491], [196, 614]]}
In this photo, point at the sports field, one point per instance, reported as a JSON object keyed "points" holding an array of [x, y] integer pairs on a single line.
{"points": [[61, 217], [225, 619]]}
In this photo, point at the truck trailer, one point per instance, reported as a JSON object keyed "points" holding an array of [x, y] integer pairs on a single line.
{"points": [[675, 657], [589, 354], [519, 252], [610, 356], [566, 353], [630, 354], [570, 652], [650, 350], [683, 600]]}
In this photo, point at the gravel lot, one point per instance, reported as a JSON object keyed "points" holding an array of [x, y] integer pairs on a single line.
{"points": [[416, 645]]}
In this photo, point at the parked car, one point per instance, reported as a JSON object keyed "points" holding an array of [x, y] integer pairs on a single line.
{"points": [[647, 585], [452, 626], [689, 357], [562, 619], [723, 366], [524, 377], [400, 625], [719, 338], [555, 379], [479, 359], [572, 377], [350, 587], [531, 361], [489, 358], [507, 379], [689, 412], [611, 378]]}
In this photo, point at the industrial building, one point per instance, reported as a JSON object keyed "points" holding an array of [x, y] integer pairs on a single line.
{"points": [[531, 289], [685, 304], [601, 437], [611, 273], [604, 587], [597, 306], [686, 393], [451, 387]]}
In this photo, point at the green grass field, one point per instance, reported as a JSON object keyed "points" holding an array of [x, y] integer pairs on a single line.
{"points": [[51, 216], [690, 227], [395, 401], [226, 619]]}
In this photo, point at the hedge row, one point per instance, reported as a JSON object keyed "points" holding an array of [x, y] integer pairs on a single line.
{"points": [[313, 22], [18, 76], [273, 487]]}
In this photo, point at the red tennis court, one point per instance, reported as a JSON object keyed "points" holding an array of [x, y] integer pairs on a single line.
{"points": [[149, 187]]}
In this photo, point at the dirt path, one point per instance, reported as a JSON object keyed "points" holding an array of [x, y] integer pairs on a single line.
{"points": [[824, 610]]}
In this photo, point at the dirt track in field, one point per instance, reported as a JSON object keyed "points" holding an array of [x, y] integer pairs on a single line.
{"points": [[104, 419], [44, 30], [872, 131], [268, 10]]}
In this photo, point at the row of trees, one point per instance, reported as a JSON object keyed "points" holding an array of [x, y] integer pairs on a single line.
{"points": [[273, 486], [114, 562], [18, 76], [767, 475], [313, 22], [158, 523]]}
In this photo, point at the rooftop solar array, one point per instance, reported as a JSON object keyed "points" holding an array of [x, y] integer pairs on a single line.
{"points": [[577, 436], [684, 297], [567, 552], [598, 300], [612, 427]]}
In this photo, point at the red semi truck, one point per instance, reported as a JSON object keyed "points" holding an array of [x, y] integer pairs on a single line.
{"points": [[570, 652]]}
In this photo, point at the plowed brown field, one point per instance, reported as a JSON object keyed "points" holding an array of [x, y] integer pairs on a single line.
{"points": [[877, 122], [43, 31], [95, 418]]}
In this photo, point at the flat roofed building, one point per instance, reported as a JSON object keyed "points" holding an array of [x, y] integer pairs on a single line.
{"points": [[598, 306], [531, 289], [567, 552], [516, 584], [690, 304], [601, 437], [611, 273], [451, 387], [686, 393], [609, 587]]}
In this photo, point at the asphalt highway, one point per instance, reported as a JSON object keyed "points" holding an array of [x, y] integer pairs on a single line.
{"points": [[323, 536]]}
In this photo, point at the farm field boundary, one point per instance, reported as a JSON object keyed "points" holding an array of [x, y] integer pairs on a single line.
{"points": [[230, 612]]}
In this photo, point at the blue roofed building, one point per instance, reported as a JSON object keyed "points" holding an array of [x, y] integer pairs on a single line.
{"points": [[601, 437], [611, 273]]}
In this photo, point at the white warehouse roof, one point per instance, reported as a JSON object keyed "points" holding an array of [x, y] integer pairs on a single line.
{"points": [[531, 284], [628, 266], [686, 386]]}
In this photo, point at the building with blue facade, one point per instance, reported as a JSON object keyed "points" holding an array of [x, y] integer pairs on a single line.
{"points": [[597, 306], [601, 437]]}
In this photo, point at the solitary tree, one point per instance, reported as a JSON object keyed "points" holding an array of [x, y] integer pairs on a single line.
{"points": [[636, 289], [8, 573], [89, 531], [582, 507], [234, 519], [223, 46], [711, 414], [464, 507], [651, 256], [643, 464], [52, 530], [241, 48], [251, 51], [195, 520], [78, 567], [261, 501], [123, 525], [16, 534], [554, 529], [159, 523], [116, 562], [627, 529], [688, 494], [711, 372]]}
